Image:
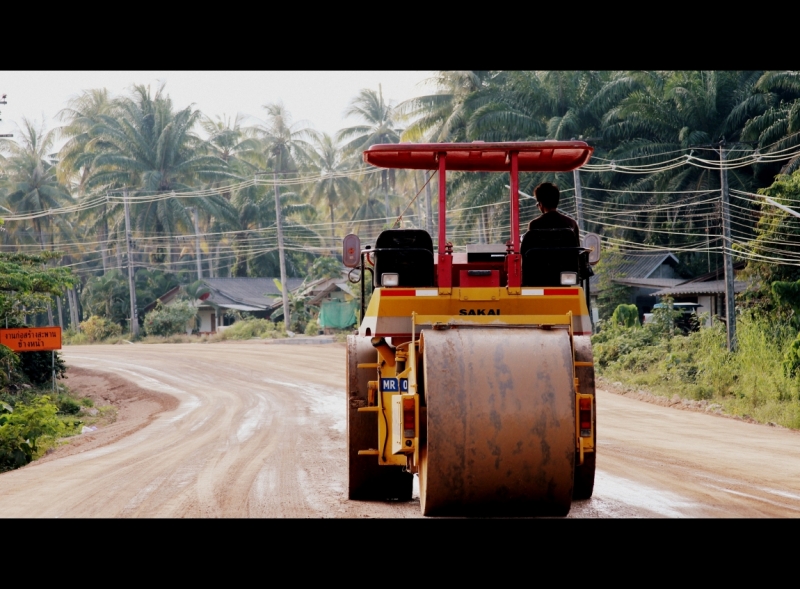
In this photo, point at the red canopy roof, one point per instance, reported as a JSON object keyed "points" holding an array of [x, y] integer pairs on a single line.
{"points": [[534, 156]]}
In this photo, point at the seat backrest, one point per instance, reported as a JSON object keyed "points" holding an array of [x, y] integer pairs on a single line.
{"points": [[546, 253], [410, 255]]}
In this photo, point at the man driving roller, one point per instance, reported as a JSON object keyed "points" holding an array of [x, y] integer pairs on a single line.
{"points": [[547, 198]]}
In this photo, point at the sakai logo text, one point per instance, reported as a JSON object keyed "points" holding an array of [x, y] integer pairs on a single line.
{"points": [[479, 312]]}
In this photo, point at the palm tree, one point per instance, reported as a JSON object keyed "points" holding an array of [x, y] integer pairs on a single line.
{"points": [[75, 157], [661, 115], [778, 127], [286, 145], [148, 146], [442, 116], [379, 127], [33, 186], [335, 188]]}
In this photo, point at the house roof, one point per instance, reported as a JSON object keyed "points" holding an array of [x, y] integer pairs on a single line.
{"points": [[643, 264], [650, 282], [245, 294], [164, 299], [318, 289], [708, 287], [634, 267]]}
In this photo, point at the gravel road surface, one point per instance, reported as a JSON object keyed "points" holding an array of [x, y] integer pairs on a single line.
{"points": [[255, 429]]}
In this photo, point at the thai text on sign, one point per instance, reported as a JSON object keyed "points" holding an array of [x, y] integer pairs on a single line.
{"points": [[31, 339]]}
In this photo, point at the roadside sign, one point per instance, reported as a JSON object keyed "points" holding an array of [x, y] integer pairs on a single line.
{"points": [[31, 339]]}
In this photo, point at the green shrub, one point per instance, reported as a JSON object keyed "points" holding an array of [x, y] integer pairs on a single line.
{"points": [[791, 360], [98, 328], [67, 405], [312, 328], [250, 328], [75, 339], [171, 319], [37, 367], [626, 316], [26, 431]]}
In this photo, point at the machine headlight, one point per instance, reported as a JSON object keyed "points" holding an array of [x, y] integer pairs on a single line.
{"points": [[390, 279], [567, 278]]}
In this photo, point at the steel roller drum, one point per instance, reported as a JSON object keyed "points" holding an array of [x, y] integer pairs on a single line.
{"points": [[500, 422]]}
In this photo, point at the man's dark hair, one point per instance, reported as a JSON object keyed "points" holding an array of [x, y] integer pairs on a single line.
{"points": [[547, 194]]}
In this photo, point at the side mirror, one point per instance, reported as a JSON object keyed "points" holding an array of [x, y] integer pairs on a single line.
{"points": [[591, 241], [351, 250]]}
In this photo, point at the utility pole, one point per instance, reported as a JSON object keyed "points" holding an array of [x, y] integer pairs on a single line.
{"points": [[730, 303], [131, 283], [576, 175], [197, 245], [286, 317]]}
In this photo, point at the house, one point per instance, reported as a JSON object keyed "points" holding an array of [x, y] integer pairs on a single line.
{"points": [[707, 290], [227, 295], [337, 301], [645, 272]]}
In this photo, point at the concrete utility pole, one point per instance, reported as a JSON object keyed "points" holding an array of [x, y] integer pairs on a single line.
{"points": [[730, 303], [286, 317], [131, 283], [578, 206], [197, 244]]}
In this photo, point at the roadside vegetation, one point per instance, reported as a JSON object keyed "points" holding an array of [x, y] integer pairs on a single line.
{"points": [[759, 380], [35, 412]]}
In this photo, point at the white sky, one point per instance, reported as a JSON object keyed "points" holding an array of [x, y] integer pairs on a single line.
{"points": [[317, 97]]}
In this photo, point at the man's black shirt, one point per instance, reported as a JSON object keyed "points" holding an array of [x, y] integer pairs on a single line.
{"points": [[556, 220]]}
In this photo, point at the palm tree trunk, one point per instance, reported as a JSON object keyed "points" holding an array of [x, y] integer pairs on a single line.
{"points": [[60, 313], [103, 235], [333, 235]]}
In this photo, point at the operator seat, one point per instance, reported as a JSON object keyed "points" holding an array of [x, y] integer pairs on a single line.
{"points": [[546, 253], [408, 253]]}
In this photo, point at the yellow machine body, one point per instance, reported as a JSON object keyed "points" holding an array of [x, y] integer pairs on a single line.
{"points": [[474, 370]]}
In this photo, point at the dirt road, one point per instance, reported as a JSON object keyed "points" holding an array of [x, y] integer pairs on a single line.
{"points": [[249, 429]]}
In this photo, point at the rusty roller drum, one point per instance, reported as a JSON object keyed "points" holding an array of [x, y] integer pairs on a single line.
{"points": [[500, 422]]}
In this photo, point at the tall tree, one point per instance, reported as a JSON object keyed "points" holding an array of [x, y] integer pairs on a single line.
{"points": [[443, 115], [379, 126], [334, 188], [151, 148], [33, 186]]}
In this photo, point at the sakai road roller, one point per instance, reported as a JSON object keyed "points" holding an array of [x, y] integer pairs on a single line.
{"points": [[473, 369]]}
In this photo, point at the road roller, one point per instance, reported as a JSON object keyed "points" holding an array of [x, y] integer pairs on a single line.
{"points": [[473, 369]]}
